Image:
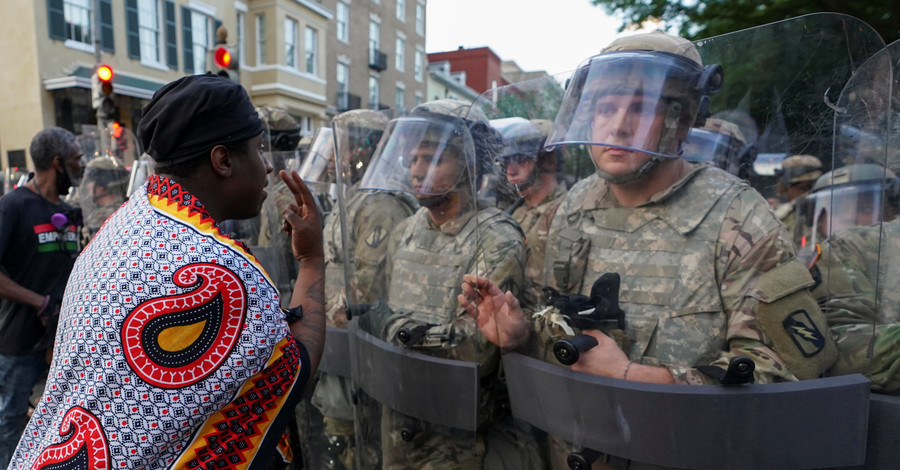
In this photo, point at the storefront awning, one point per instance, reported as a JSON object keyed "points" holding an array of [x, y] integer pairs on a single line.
{"points": [[126, 85]]}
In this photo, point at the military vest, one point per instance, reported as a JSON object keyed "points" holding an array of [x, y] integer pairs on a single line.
{"points": [[336, 253], [429, 265], [665, 254]]}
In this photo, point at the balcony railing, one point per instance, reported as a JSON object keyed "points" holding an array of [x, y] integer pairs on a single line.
{"points": [[347, 101], [377, 60]]}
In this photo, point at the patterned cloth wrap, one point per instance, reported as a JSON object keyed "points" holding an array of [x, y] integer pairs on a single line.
{"points": [[172, 350]]}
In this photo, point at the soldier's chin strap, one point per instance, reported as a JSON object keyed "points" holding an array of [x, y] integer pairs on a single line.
{"points": [[641, 172]]}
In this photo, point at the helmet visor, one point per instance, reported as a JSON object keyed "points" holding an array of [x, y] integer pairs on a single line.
{"points": [[318, 166], [631, 100], [423, 156]]}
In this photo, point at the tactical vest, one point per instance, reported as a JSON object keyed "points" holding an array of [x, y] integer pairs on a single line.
{"points": [[335, 253], [429, 265], [669, 290]]}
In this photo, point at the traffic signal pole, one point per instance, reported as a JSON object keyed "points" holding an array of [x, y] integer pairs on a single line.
{"points": [[103, 147]]}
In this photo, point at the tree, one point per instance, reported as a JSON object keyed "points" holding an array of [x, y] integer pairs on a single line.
{"points": [[699, 19]]}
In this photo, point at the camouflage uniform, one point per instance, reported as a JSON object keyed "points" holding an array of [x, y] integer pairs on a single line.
{"points": [[795, 170], [706, 270], [371, 215], [426, 264], [860, 299], [535, 222]]}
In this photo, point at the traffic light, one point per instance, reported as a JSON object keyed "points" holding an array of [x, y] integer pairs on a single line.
{"points": [[102, 89], [226, 62]]}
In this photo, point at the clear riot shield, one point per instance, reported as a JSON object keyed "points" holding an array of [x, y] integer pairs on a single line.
{"points": [[103, 189], [650, 277], [356, 236], [427, 382], [318, 170], [848, 226], [272, 247]]}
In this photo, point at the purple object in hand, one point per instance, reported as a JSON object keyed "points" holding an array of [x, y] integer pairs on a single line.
{"points": [[59, 220]]}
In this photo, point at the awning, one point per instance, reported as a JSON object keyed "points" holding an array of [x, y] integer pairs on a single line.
{"points": [[123, 84]]}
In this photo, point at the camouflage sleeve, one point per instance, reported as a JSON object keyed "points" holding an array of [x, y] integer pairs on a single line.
{"points": [[753, 254], [393, 243], [378, 217], [846, 267]]}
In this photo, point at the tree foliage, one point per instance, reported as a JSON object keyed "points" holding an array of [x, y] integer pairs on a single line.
{"points": [[699, 19]]}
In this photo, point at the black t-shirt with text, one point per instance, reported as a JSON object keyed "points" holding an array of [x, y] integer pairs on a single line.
{"points": [[37, 256]]}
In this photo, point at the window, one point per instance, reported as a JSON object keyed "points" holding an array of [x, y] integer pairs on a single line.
{"points": [[418, 64], [149, 30], [400, 102], [78, 21], [343, 74], [401, 10], [260, 39], [418, 99], [400, 54], [420, 18], [374, 39], [342, 16], [201, 35], [373, 92], [290, 43], [312, 45], [306, 126]]}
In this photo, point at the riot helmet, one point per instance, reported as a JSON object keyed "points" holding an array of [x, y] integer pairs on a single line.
{"points": [[641, 95], [356, 135], [523, 157], [855, 195], [282, 130], [721, 143], [441, 147], [105, 182], [797, 175], [318, 166]]}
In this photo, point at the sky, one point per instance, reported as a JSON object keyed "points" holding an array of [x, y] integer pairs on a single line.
{"points": [[550, 35]]}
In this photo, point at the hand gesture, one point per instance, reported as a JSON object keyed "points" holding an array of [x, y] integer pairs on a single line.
{"points": [[301, 220], [498, 314]]}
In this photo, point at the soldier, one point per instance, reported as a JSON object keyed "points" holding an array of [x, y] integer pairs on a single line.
{"points": [[707, 272], [534, 172], [370, 217], [102, 191], [318, 169], [855, 267], [280, 146], [723, 144], [440, 153], [796, 177]]}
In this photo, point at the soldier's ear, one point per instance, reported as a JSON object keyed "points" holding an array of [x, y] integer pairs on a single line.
{"points": [[222, 161]]}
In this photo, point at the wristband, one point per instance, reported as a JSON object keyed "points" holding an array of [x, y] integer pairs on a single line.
{"points": [[293, 315]]}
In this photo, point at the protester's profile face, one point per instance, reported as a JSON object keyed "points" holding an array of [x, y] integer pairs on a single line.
{"points": [[251, 168], [73, 162], [626, 120], [432, 171]]}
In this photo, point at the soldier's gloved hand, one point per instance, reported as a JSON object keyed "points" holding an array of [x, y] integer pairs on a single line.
{"points": [[375, 320]]}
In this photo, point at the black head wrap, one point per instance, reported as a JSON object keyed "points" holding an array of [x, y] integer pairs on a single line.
{"points": [[193, 114]]}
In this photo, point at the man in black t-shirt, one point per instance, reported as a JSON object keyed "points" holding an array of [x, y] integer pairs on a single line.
{"points": [[38, 246]]}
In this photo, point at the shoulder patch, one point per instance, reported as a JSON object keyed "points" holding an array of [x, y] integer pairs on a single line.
{"points": [[376, 236], [804, 333]]}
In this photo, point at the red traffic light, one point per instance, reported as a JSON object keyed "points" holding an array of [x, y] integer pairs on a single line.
{"points": [[116, 130], [223, 57], [104, 73]]}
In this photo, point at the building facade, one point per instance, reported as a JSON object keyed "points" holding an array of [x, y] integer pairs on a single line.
{"points": [[56, 45], [483, 68], [376, 57]]}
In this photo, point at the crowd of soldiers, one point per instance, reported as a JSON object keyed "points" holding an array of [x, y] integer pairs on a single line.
{"points": [[626, 214]]}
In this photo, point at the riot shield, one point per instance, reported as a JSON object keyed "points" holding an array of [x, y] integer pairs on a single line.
{"points": [[428, 382], [318, 170], [848, 225], [648, 275], [356, 237], [103, 189]]}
